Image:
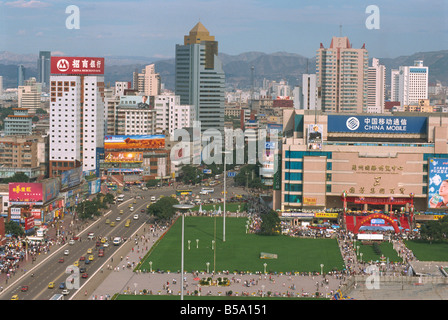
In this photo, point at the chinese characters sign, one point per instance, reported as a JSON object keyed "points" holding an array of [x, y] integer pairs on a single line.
{"points": [[25, 193], [438, 183], [77, 65], [376, 124]]}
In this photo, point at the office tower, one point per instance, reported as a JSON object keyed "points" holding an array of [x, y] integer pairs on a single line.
{"points": [[19, 124], [148, 81], [29, 94], [43, 68], [20, 75], [200, 79], [121, 86], [1, 85], [310, 97], [376, 87], [341, 73], [394, 84], [412, 83], [171, 114], [76, 114]]}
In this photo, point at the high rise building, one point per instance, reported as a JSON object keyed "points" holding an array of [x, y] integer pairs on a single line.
{"points": [[148, 81], [1, 85], [43, 68], [394, 84], [410, 83], [341, 73], [20, 75], [171, 114], [310, 98], [200, 78], [76, 114], [376, 87], [29, 94]]}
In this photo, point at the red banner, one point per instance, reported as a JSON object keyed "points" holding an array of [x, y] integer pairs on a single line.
{"points": [[25, 193], [29, 223], [77, 65]]}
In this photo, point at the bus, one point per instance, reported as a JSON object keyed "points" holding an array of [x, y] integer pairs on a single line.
{"points": [[120, 198], [207, 190], [57, 296], [184, 192], [112, 187]]}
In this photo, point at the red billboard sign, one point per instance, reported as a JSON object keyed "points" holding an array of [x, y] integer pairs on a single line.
{"points": [[77, 65], [25, 193], [29, 223]]}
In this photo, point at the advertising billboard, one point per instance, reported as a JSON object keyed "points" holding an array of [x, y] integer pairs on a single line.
{"points": [[438, 183], [77, 65], [314, 136], [26, 193], [123, 157], [377, 124], [124, 142], [71, 178]]}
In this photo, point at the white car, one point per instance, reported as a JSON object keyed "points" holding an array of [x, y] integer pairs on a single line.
{"points": [[71, 242], [118, 219], [65, 292], [135, 216], [106, 244], [66, 252], [153, 198], [90, 235]]}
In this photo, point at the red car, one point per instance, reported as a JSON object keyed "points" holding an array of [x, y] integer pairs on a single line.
{"points": [[101, 253], [82, 258], [84, 275], [61, 260], [24, 288]]}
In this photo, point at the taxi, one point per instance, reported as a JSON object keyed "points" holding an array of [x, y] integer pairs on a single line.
{"points": [[89, 250], [121, 211], [107, 221], [51, 285], [135, 201], [112, 224], [91, 257], [103, 240], [76, 263], [130, 205], [15, 297]]}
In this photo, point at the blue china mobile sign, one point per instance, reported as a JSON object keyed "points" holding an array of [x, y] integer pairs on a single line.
{"points": [[377, 124]]}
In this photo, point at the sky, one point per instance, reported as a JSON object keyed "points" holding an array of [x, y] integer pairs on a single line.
{"points": [[152, 28]]}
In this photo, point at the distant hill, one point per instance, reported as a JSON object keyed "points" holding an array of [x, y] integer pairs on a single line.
{"points": [[273, 66]]}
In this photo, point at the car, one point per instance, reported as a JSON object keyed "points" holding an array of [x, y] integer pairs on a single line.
{"points": [[82, 270], [76, 263], [65, 292], [24, 288], [142, 210], [66, 252], [89, 251], [15, 297], [130, 205], [51, 285], [90, 235], [87, 261], [84, 275], [135, 201], [75, 238], [91, 257], [61, 260], [98, 243], [71, 242], [62, 285], [131, 209], [153, 198], [106, 244], [101, 253], [112, 224], [103, 240], [121, 211], [135, 216], [82, 258], [118, 219], [107, 221], [127, 224]]}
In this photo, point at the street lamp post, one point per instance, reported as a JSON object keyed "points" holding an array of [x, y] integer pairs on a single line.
{"points": [[182, 208]]}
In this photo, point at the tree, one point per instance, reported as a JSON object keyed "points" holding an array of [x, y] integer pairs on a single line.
{"points": [[163, 208], [270, 223], [88, 209], [152, 183], [435, 230], [109, 198], [17, 177], [190, 174], [14, 229]]}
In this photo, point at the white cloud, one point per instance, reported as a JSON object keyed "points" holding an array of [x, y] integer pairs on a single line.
{"points": [[27, 4]]}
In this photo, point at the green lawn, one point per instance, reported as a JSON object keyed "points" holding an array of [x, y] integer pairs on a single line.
{"points": [[386, 249], [240, 251], [425, 251]]}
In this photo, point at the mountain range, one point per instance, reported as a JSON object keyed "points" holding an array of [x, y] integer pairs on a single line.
{"points": [[238, 68]]}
